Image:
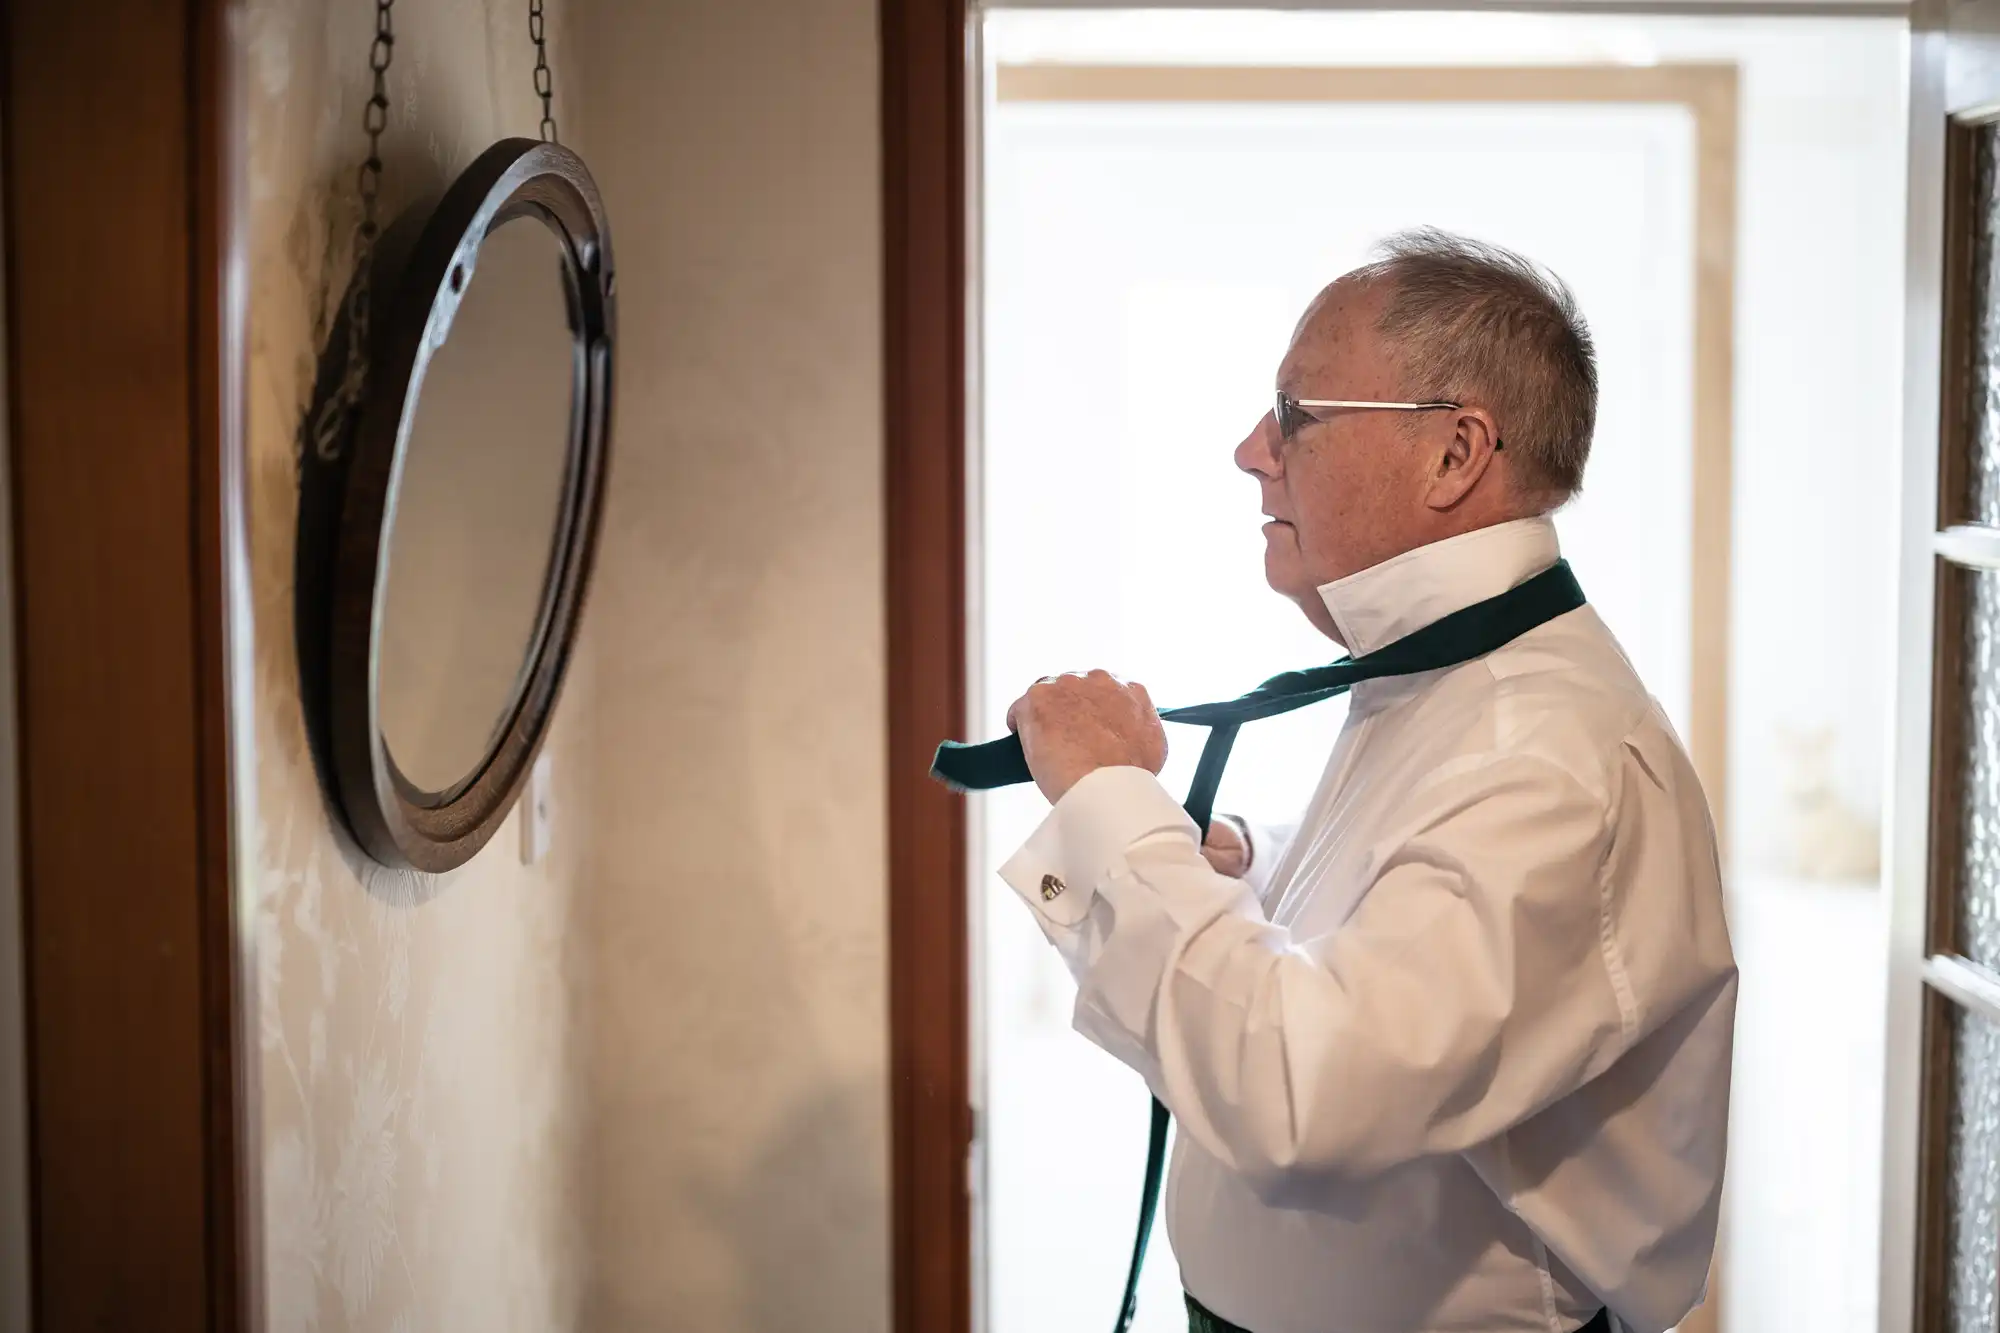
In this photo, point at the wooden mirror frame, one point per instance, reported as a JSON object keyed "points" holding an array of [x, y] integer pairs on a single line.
{"points": [[420, 276]]}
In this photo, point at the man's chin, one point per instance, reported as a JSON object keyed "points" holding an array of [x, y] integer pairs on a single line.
{"points": [[1283, 571]]}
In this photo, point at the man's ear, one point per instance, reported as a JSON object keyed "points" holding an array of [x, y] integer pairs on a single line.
{"points": [[1468, 451]]}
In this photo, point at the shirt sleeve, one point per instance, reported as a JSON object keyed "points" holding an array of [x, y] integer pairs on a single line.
{"points": [[1476, 982]]}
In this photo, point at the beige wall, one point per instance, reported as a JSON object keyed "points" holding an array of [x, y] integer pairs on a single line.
{"points": [[421, 1053], [738, 1129], [447, 1144]]}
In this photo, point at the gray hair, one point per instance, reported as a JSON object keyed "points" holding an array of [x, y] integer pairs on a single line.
{"points": [[1476, 323]]}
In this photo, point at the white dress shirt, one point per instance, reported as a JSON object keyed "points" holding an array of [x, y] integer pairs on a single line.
{"points": [[1457, 1059]]}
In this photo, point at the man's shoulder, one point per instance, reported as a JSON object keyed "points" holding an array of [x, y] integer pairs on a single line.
{"points": [[1573, 700]]}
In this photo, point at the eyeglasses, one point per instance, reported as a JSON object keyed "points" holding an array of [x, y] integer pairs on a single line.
{"points": [[1291, 414]]}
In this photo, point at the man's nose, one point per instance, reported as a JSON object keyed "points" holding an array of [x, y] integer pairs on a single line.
{"points": [[1258, 453]]}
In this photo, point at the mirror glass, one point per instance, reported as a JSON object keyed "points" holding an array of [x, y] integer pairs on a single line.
{"points": [[475, 512]]}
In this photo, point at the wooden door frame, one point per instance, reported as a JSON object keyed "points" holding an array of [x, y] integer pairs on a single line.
{"points": [[927, 148], [124, 304], [923, 49]]}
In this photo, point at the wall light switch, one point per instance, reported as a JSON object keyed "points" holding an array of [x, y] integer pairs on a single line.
{"points": [[537, 812]]}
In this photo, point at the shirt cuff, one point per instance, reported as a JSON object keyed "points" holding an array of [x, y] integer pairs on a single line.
{"points": [[1082, 843], [1267, 848]]}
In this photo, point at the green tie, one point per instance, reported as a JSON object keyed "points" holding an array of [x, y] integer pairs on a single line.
{"points": [[1459, 637]]}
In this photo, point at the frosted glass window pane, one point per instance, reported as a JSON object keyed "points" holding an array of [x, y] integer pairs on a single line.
{"points": [[1974, 1174], [1979, 771], [1983, 468]]}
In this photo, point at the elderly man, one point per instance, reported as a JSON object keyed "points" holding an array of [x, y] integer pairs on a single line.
{"points": [[1453, 1055]]}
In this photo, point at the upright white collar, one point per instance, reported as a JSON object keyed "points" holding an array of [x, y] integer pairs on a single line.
{"points": [[1406, 592]]}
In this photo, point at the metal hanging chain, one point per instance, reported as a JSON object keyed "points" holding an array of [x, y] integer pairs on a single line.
{"points": [[340, 406], [545, 79]]}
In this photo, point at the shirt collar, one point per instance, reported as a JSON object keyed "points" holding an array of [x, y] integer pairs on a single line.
{"points": [[1406, 592]]}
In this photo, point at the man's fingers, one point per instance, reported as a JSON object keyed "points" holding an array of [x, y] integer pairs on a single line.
{"points": [[1016, 709], [1076, 685]]}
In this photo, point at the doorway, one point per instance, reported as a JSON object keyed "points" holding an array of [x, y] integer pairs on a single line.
{"points": [[1140, 268]]}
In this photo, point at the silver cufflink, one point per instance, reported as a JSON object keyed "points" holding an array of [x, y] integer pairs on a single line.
{"points": [[1052, 888]]}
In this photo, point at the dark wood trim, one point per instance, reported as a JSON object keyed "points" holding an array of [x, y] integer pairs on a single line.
{"points": [[924, 485], [1955, 346], [124, 320], [219, 148], [1942, 935], [1933, 1238]]}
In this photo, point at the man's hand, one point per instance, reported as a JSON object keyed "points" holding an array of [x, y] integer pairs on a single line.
{"points": [[1226, 849], [1071, 726]]}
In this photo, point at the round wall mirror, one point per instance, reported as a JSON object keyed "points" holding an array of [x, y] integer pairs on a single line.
{"points": [[470, 504], [471, 543]]}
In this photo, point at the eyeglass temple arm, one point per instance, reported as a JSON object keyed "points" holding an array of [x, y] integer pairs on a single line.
{"points": [[1393, 407], [1346, 402]]}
